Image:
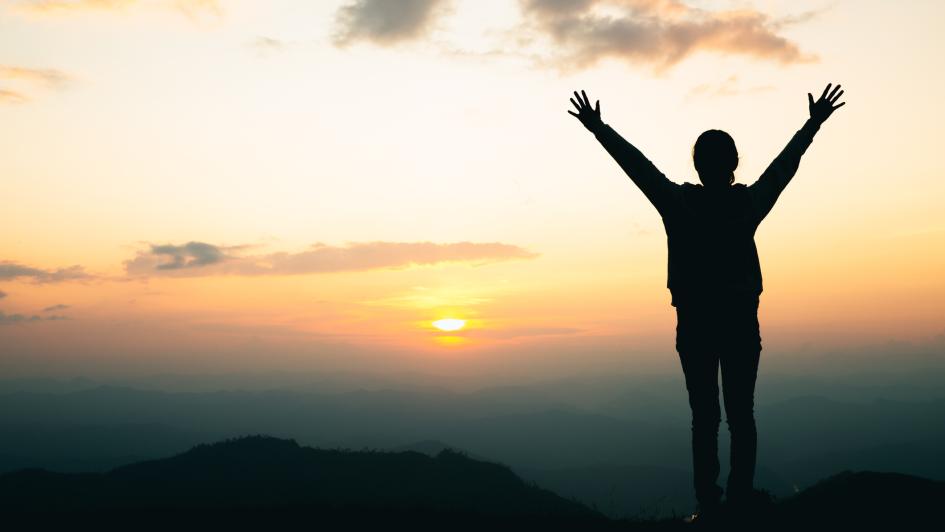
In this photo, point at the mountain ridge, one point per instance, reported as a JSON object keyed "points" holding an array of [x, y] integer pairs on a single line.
{"points": [[271, 482]]}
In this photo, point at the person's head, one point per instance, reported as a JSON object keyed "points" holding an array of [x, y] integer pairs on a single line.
{"points": [[715, 157]]}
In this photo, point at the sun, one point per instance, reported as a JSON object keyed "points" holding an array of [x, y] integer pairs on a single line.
{"points": [[449, 324]]}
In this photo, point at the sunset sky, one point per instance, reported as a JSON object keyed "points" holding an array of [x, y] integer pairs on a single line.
{"points": [[214, 186]]}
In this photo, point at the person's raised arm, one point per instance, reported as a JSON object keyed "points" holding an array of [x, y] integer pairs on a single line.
{"points": [[655, 186], [766, 190]]}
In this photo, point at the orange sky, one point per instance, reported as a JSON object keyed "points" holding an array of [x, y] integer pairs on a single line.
{"points": [[229, 185]]}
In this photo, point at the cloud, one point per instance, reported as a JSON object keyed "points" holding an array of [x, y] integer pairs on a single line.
{"points": [[7, 319], [54, 308], [8, 96], [10, 319], [656, 32], [29, 77], [267, 43], [517, 332], [12, 270], [189, 255], [190, 8], [729, 87], [385, 22], [2, 294], [202, 259], [194, 9], [75, 5], [47, 77], [580, 33], [264, 45]]}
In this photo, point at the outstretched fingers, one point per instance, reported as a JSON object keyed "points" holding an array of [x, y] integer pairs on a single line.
{"points": [[834, 98], [580, 102], [586, 113], [833, 94], [826, 90]]}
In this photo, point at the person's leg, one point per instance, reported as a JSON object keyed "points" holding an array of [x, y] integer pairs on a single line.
{"points": [[739, 363], [700, 365]]}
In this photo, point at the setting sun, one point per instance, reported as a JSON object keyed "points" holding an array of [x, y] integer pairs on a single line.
{"points": [[449, 324]]}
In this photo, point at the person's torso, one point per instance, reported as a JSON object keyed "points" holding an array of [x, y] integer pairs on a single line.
{"points": [[710, 236]]}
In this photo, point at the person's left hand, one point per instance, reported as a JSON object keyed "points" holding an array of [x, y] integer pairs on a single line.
{"points": [[824, 106]]}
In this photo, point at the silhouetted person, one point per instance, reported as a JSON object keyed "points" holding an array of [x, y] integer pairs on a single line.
{"points": [[715, 280]]}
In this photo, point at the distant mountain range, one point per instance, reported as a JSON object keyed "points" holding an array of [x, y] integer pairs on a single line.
{"points": [[624, 452], [267, 483], [272, 481]]}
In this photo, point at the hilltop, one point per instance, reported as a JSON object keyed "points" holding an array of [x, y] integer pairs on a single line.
{"points": [[273, 484], [270, 481]]}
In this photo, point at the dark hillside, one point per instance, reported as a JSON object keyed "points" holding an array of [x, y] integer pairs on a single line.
{"points": [[267, 483]]}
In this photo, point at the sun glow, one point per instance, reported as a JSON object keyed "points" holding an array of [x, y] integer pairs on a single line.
{"points": [[449, 324]]}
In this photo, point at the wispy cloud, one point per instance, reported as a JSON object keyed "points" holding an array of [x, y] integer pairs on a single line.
{"points": [[660, 33], [48, 77], [264, 45], [9, 319], [75, 5], [517, 332], [189, 255], [54, 308], [12, 271], [191, 8], [9, 96], [6, 319], [201, 259], [28, 79], [268, 43], [385, 22], [195, 9], [2, 294], [730, 86]]}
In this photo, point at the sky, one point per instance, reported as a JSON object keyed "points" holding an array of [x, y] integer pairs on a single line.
{"points": [[200, 186]]}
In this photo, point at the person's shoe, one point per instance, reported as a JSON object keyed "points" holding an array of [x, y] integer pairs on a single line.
{"points": [[706, 517]]}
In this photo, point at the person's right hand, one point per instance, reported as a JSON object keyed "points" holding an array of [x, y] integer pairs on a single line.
{"points": [[588, 116], [824, 107]]}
